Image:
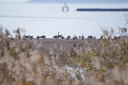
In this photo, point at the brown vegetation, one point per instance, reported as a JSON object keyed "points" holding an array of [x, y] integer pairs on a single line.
{"points": [[103, 63]]}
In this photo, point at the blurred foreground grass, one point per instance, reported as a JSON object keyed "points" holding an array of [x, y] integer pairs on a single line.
{"points": [[103, 63]]}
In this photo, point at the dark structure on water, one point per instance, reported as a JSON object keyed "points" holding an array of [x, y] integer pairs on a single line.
{"points": [[103, 9]]}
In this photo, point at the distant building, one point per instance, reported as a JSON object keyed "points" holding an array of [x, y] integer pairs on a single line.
{"points": [[65, 8]]}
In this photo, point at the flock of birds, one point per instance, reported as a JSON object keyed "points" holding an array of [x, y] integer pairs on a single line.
{"points": [[69, 37], [58, 36]]}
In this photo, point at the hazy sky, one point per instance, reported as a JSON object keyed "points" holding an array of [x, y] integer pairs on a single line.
{"points": [[79, 0], [75, 1], [13, 0]]}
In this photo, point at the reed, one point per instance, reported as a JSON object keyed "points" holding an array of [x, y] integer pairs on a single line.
{"points": [[102, 63]]}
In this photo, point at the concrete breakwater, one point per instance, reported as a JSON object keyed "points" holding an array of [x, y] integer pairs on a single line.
{"points": [[103, 9]]}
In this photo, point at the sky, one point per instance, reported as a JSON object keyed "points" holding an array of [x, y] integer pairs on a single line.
{"points": [[14, 0], [74, 1]]}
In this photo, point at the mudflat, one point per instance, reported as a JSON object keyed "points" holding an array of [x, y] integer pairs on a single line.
{"points": [[64, 43]]}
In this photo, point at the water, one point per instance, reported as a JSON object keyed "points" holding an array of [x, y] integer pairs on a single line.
{"points": [[48, 18]]}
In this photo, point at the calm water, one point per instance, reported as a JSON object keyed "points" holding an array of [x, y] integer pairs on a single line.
{"points": [[48, 18]]}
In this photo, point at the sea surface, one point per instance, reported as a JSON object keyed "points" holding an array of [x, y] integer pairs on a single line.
{"points": [[49, 19]]}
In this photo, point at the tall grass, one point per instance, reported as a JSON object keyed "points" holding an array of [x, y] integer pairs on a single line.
{"points": [[101, 63]]}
